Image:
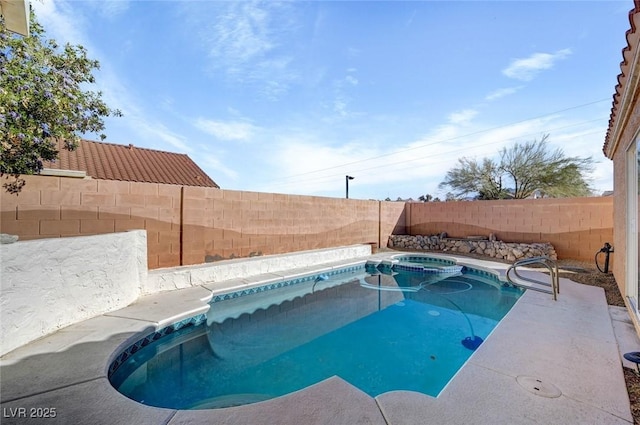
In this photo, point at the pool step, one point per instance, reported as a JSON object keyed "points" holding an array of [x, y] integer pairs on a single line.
{"points": [[395, 265], [413, 267]]}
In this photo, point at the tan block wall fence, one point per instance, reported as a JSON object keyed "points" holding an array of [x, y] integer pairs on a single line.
{"points": [[576, 227], [192, 225]]}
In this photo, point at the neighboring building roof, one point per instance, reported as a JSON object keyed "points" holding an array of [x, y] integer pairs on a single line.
{"points": [[628, 84], [109, 161]]}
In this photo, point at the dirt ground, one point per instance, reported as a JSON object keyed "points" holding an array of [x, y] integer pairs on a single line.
{"points": [[588, 274]]}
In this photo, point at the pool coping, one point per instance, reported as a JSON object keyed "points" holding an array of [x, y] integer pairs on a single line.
{"points": [[568, 344]]}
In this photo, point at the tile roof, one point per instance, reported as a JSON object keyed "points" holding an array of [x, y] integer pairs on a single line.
{"points": [[109, 161], [626, 89]]}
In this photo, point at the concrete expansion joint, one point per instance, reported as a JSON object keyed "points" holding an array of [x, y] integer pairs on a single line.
{"points": [[172, 414], [384, 417], [122, 316], [50, 390]]}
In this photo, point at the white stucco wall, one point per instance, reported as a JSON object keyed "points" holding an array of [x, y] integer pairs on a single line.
{"points": [[187, 276], [47, 284]]}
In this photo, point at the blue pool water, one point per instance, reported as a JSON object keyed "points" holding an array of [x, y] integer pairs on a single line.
{"points": [[378, 331]]}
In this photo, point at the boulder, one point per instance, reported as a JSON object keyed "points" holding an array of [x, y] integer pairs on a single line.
{"points": [[6, 238]]}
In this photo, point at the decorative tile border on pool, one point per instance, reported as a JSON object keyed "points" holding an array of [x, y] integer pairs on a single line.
{"points": [[452, 269], [202, 318], [424, 259], [491, 276], [143, 342], [290, 282], [470, 270]]}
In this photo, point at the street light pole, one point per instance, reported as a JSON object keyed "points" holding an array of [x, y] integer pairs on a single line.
{"points": [[347, 178]]}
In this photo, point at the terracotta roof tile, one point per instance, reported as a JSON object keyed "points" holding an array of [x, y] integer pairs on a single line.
{"points": [[630, 58], [109, 161]]}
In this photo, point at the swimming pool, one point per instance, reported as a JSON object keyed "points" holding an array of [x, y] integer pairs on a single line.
{"points": [[380, 329]]}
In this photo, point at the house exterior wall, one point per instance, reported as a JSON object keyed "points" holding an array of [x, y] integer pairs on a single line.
{"points": [[576, 227], [624, 128], [620, 228]]}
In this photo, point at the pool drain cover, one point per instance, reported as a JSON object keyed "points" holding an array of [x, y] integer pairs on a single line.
{"points": [[538, 387]]}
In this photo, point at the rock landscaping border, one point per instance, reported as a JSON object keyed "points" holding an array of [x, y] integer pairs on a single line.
{"points": [[486, 246]]}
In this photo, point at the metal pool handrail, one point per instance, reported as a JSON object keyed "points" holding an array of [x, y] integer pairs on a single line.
{"points": [[550, 264]]}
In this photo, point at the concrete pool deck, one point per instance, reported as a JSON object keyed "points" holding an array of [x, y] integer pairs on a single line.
{"points": [[567, 349]]}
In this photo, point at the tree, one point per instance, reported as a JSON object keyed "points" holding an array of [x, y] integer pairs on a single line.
{"points": [[522, 170], [470, 177], [43, 97], [428, 198]]}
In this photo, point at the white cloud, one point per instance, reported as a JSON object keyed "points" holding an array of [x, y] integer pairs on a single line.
{"points": [[212, 162], [111, 8], [526, 69], [353, 52], [296, 157], [351, 80], [497, 94], [232, 130], [585, 141], [244, 41], [164, 134], [342, 99], [340, 107], [309, 163], [272, 76], [241, 33], [60, 22], [149, 128], [462, 117]]}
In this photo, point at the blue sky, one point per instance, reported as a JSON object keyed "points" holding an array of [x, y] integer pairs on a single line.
{"points": [[291, 97]]}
